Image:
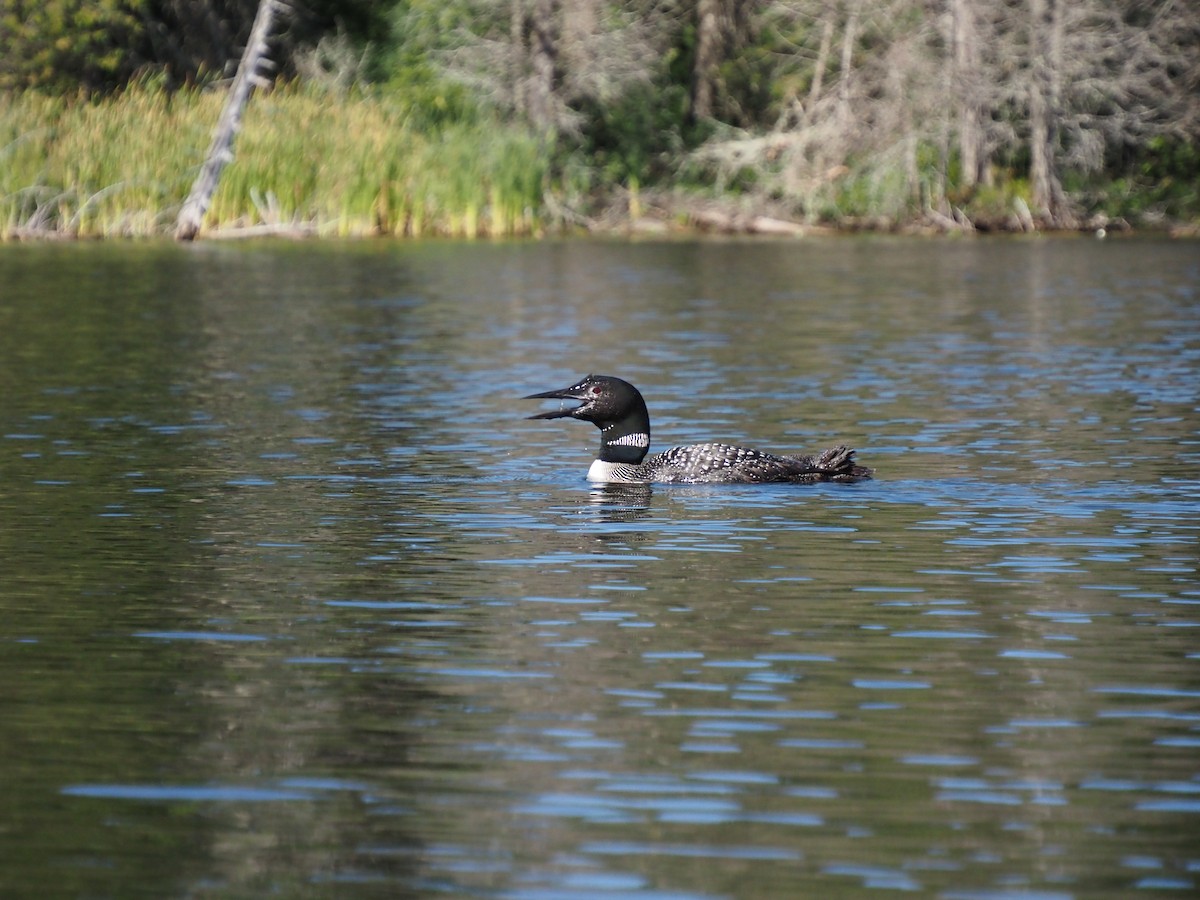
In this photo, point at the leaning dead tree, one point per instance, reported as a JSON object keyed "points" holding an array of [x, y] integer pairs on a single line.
{"points": [[220, 152]]}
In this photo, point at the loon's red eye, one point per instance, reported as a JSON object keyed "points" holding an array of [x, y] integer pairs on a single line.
{"points": [[597, 389]]}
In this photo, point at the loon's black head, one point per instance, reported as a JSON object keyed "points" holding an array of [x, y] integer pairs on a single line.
{"points": [[615, 407], [604, 399]]}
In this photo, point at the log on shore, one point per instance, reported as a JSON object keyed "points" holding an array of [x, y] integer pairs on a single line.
{"points": [[297, 230], [731, 223], [254, 57]]}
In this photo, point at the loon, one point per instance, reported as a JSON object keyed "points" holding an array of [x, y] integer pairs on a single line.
{"points": [[617, 408]]}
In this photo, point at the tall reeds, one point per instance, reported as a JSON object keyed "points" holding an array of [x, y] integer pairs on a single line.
{"points": [[122, 166]]}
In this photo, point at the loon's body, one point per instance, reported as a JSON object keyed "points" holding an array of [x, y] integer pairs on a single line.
{"points": [[617, 408]]}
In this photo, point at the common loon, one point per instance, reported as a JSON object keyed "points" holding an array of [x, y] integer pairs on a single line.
{"points": [[616, 407]]}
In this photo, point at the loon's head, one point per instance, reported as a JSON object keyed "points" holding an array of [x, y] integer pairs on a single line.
{"points": [[615, 407]]}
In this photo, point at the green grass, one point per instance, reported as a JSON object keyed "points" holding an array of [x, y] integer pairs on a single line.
{"points": [[123, 166], [371, 163]]}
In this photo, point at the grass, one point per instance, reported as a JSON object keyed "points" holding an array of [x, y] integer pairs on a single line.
{"points": [[124, 164], [359, 164]]}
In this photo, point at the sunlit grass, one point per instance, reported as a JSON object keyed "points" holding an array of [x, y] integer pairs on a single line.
{"points": [[123, 166]]}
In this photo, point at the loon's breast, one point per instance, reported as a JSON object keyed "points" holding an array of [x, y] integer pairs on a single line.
{"points": [[602, 472]]}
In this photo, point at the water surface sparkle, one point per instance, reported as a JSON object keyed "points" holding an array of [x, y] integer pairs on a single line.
{"points": [[297, 603]]}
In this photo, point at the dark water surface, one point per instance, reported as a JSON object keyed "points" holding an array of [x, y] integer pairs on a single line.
{"points": [[294, 603]]}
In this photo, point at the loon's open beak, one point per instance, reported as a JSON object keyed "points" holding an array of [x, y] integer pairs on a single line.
{"points": [[571, 393]]}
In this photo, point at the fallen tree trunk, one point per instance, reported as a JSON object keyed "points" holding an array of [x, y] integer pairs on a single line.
{"points": [[736, 223], [280, 229], [220, 152]]}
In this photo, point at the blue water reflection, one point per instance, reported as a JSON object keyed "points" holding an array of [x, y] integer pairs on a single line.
{"points": [[296, 603]]}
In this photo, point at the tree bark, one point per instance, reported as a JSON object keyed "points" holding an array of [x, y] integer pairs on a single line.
{"points": [[517, 57], [220, 152], [704, 67], [1045, 93], [543, 58], [847, 64], [965, 65], [580, 21], [814, 91]]}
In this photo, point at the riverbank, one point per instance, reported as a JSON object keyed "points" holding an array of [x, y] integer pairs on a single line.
{"points": [[121, 166], [307, 165]]}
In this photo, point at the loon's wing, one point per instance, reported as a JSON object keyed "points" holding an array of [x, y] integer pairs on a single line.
{"points": [[723, 463], [727, 464]]}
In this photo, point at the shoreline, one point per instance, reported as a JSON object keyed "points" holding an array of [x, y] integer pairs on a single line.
{"points": [[648, 213], [710, 220], [121, 167]]}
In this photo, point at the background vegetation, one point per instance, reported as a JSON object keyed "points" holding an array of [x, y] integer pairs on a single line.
{"points": [[515, 116]]}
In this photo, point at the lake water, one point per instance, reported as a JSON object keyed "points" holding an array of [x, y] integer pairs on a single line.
{"points": [[295, 602]]}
